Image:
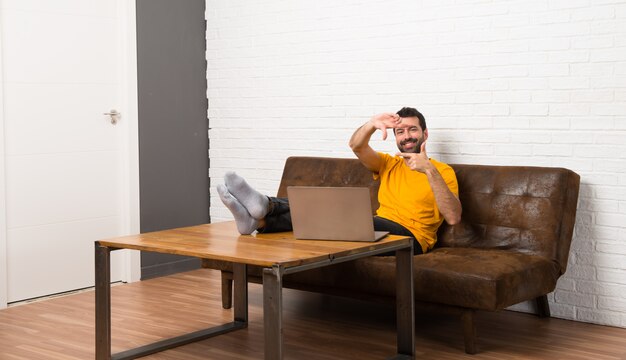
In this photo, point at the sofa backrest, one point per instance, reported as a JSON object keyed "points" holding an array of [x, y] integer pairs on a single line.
{"points": [[320, 171], [527, 209]]}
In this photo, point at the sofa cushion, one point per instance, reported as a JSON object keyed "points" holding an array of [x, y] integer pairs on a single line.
{"points": [[473, 278], [482, 278]]}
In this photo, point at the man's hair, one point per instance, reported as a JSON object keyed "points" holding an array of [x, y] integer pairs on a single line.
{"points": [[412, 112]]}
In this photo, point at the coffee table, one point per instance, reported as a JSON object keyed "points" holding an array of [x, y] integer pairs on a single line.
{"points": [[279, 254]]}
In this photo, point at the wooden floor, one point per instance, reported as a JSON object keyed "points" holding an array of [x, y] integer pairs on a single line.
{"points": [[315, 327]]}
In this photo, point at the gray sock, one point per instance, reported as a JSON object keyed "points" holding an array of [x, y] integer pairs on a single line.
{"points": [[246, 224], [256, 203]]}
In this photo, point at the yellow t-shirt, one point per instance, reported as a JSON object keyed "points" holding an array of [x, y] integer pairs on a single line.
{"points": [[405, 197]]}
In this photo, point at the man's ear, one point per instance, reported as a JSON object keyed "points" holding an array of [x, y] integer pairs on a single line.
{"points": [[425, 134]]}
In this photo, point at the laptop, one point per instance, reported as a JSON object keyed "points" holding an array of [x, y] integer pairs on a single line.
{"points": [[332, 213]]}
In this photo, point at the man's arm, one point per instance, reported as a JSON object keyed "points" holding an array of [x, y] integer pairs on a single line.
{"points": [[448, 204], [359, 142]]}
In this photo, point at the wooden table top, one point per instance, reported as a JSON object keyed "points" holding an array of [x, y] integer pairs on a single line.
{"points": [[221, 241]]}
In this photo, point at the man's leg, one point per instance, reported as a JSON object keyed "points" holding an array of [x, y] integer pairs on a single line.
{"points": [[253, 210], [382, 224], [278, 218]]}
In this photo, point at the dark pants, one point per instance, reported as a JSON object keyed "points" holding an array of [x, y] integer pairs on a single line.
{"points": [[278, 219]]}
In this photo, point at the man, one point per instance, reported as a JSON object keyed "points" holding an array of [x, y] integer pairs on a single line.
{"points": [[416, 193]]}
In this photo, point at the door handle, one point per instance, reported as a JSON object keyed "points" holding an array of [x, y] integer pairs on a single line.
{"points": [[115, 116]]}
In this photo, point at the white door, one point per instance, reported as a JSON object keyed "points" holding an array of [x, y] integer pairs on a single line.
{"points": [[70, 174]]}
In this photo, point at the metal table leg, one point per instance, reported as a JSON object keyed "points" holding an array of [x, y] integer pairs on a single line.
{"points": [[103, 302], [103, 313], [272, 312], [405, 304], [240, 287]]}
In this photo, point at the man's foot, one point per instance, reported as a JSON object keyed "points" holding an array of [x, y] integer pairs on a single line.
{"points": [[246, 224], [256, 203]]}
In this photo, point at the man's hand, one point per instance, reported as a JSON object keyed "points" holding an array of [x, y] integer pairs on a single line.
{"points": [[385, 121], [359, 142], [417, 162], [449, 205]]}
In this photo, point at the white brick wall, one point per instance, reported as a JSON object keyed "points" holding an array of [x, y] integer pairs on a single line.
{"points": [[532, 82]]}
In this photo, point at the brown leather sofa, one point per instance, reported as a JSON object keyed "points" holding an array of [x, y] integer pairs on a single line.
{"points": [[511, 246]]}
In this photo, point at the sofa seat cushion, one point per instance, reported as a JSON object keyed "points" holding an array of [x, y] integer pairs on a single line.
{"points": [[485, 279], [473, 278]]}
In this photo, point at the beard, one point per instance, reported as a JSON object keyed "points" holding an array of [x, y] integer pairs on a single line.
{"points": [[415, 149]]}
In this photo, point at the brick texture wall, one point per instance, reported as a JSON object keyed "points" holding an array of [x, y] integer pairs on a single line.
{"points": [[500, 82]]}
